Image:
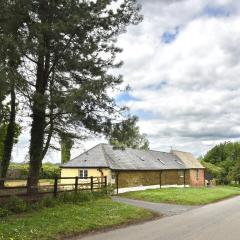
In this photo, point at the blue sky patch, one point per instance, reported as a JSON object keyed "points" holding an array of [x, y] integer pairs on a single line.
{"points": [[170, 36], [125, 97], [145, 115], [216, 12]]}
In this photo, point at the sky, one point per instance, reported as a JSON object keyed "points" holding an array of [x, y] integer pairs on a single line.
{"points": [[182, 63]]}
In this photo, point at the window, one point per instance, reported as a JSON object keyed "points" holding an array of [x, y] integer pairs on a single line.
{"points": [[181, 173], [197, 174], [83, 173]]}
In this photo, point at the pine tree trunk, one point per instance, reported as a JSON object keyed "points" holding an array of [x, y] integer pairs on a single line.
{"points": [[9, 139], [38, 117], [38, 125], [36, 148]]}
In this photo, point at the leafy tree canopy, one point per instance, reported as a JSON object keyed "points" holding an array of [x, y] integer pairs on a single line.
{"points": [[127, 134], [224, 160]]}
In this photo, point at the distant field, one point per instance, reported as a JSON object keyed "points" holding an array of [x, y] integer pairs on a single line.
{"points": [[191, 196], [17, 183]]}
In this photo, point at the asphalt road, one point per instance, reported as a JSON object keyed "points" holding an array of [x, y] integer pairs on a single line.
{"points": [[218, 221], [163, 208]]}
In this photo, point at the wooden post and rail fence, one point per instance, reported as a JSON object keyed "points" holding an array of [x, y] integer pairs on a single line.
{"points": [[21, 187]]}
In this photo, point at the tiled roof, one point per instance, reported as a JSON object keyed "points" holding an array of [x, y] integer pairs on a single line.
{"points": [[189, 160], [104, 156]]}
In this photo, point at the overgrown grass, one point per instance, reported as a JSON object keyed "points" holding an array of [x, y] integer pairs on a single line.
{"points": [[191, 196], [68, 219], [17, 205]]}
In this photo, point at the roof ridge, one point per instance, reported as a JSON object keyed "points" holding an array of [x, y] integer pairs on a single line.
{"points": [[180, 151], [145, 150], [149, 150]]}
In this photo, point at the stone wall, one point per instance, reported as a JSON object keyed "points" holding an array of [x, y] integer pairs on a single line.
{"points": [[146, 178]]}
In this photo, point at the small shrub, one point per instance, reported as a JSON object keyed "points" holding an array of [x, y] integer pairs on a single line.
{"points": [[110, 189], [16, 205], [35, 206], [99, 194], [3, 212], [48, 202], [76, 197]]}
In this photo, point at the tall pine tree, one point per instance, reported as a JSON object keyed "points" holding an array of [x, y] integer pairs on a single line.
{"points": [[67, 48]]}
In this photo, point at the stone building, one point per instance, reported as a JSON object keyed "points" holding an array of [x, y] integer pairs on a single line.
{"points": [[133, 168]]}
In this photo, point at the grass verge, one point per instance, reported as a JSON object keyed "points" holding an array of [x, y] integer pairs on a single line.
{"points": [[69, 219], [187, 196]]}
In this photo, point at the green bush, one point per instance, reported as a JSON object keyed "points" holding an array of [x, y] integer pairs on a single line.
{"points": [[35, 206], [48, 170], [72, 197], [99, 194], [3, 212], [111, 188], [16, 205], [49, 202]]}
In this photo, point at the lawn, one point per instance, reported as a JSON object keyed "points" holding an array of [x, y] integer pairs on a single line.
{"points": [[69, 219], [191, 196]]}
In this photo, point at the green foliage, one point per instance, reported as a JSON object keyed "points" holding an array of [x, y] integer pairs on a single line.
{"points": [[3, 132], [48, 202], [213, 169], [48, 170], [126, 134], [16, 205], [66, 146], [226, 159], [3, 212], [78, 197], [109, 190]]}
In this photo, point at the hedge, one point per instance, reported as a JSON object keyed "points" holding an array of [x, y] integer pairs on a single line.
{"points": [[48, 170]]}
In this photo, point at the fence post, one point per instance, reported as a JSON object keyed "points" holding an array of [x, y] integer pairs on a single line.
{"points": [[55, 186], [91, 183], [105, 181], [160, 179], [28, 185], [76, 184]]}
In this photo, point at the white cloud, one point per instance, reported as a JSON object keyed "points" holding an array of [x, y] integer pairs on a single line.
{"points": [[187, 89]]}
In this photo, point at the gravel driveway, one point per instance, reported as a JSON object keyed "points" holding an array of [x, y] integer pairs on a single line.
{"points": [[163, 208]]}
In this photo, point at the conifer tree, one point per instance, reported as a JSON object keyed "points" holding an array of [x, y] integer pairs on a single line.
{"points": [[67, 49]]}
